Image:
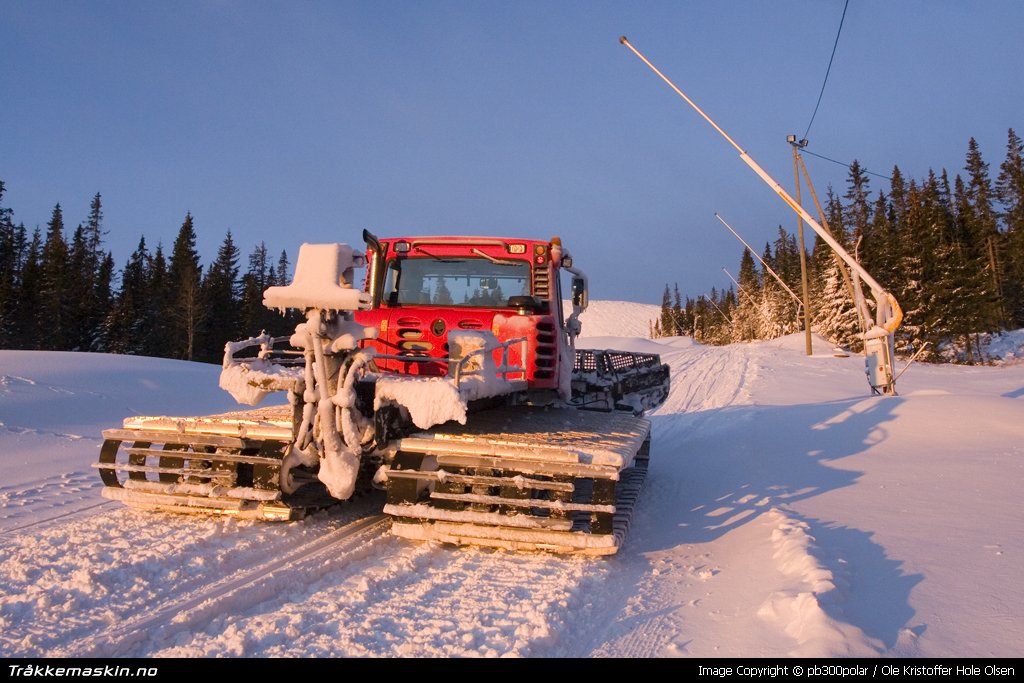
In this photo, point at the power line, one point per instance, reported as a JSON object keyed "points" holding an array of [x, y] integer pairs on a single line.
{"points": [[804, 150], [834, 45]]}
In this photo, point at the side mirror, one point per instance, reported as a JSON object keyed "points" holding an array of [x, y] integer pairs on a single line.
{"points": [[579, 292]]}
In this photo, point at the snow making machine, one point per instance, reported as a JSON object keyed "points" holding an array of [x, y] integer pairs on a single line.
{"points": [[451, 379]]}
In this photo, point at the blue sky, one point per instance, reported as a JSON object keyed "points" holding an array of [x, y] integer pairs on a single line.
{"points": [[293, 122]]}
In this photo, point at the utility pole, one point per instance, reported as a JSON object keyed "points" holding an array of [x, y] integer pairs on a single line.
{"points": [[791, 139]]}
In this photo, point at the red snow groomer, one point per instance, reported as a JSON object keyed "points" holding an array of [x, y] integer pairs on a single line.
{"points": [[451, 379]]}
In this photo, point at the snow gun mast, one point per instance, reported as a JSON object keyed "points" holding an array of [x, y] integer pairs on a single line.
{"points": [[451, 380], [879, 337]]}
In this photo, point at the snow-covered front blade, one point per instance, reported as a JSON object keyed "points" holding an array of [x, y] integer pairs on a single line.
{"points": [[558, 480], [226, 464]]}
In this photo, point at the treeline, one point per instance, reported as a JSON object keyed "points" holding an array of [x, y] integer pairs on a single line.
{"points": [[952, 253], [61, 294]]}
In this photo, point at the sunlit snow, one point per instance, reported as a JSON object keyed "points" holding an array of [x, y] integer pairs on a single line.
{"points": [[786, 512]]}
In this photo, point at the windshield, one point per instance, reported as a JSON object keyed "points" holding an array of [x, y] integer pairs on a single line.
{"points": [[455, 281]]}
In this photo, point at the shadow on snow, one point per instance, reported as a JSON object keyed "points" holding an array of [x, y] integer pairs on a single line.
{"points": [[714, 471]]}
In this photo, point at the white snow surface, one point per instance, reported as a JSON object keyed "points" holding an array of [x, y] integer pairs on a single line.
{"points": [[616, 318], [786, 512]]}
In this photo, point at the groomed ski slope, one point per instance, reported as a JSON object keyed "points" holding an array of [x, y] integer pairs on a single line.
{"points": [[787, 512]]}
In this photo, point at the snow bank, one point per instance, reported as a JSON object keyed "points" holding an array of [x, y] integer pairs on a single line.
{"points": [[1003, 348], [810, 610], [798, 342], [616, 319]]}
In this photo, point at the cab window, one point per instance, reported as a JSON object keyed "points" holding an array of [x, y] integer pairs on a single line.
{"points": [[454, 281]]}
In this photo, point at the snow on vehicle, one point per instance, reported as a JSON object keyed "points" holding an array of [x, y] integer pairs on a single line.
{"points": [[451, 380]]}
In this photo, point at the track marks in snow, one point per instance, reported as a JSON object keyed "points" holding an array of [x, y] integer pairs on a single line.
{"points": [[654, 620], [38, 503], [237, 591], [810, 608], [67, 582], [411, 600], [708, 377], [18, 431]]}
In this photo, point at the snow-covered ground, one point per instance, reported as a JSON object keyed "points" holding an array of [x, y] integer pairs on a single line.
{"points": [[786, 512]]}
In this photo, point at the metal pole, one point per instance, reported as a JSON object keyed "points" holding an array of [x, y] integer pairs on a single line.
{"points": [[913, 358], [739, 287], [803, 251], [758, 257], [712, 301]]}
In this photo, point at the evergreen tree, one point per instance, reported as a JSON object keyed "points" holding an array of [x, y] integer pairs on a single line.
{"points": [[834, 316], [292, 316], [26, 331], [94, 228], [185, 312], [667, 323], [10, 271], [156, 327], [944, 268], [786, 259], [857, 212], [972, 304], [718, 325], [775, 313], [103, 297], [97, 271], [1010, 192], [221, 301], [982, 240], [702, 321], [255, 317], [880, 249], [283, 268], [81, 273], [898, 200], [688, 316], [52, 311], [746, 318], [907, 210], [677, 312], [122, 329]]}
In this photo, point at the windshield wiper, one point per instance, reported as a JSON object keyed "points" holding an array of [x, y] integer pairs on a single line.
{"points": [[496, 261], [434, 256]]}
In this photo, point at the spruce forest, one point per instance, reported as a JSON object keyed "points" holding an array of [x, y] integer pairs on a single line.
{"points": [[60, 294], [952, 253]]}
